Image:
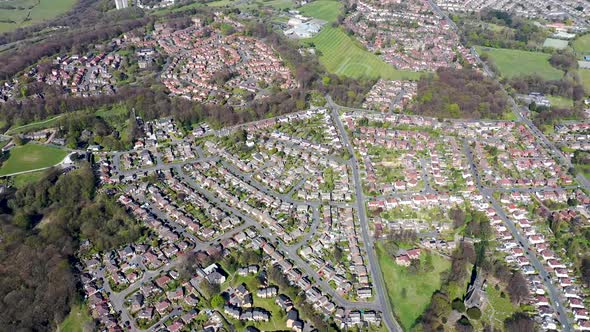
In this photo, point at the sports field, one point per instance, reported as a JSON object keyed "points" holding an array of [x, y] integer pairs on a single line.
{"points": [[516, 62], [31, 156], [342, 55], [410, 293], [19, 13], [327, 10], [560, 102]]}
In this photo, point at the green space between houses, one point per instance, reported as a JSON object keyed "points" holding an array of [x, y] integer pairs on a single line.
{"points": [[342, 55], [498, 308], [516, 62], [410, 293], [28, 12], [76, 320], [327, 10], [31, 156]]}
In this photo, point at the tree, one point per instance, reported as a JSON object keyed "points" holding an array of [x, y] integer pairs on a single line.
{"points": [[585, 270], [519, 322], [217, 301], [518, 288], [458, 305], [474, 313]]}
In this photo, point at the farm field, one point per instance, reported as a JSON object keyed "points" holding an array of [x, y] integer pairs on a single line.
{"points": [[28, 12], [327, 10], [344, 56], [516, 62], [410, 293], [31, 156]]}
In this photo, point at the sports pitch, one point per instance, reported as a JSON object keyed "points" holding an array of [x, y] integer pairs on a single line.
{"points": [[342, 55], [513, 63]]}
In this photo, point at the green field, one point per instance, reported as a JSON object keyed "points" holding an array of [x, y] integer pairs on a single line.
{"points": [[516, 62], [75, 320], [499, 307], [419, 287], [327, 10], [585, 78], [582, 45], [342, 55], [560, 102], [31, 156], [28, 12]]}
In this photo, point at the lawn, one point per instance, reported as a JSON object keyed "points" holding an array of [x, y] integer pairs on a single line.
{"points": [[585, 79], [516, 62], [33, 126], [30, 157], [342, 55], [21, 180], [327, 10], [499, 308], [419, 287], [75, 320], [560, 102], [28, 12], [582, 45]]}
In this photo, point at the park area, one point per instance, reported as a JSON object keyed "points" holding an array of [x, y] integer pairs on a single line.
{"points": [[327, 10], [342, 55], [513, 63], [410, 292], [19, 13], [30, 157]]}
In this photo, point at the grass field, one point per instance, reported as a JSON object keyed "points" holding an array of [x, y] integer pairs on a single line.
{"points": [[516, 62], [28, 12], [561, 102], [342, 55], [582, 45], [31, 156], [419, 287], [75, 320], [33, 126], [499, 307], [585, 78], [327, 10]]}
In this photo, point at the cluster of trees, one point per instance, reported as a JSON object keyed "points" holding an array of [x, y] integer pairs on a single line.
{"points": [[461, 93], [42, 225], [565, 87], [507, 32], [564, 60]]}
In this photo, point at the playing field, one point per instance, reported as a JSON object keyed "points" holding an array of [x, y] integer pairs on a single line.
{"points": [[410, 293], [31, 156], [516, 62], [560, 102], [342, 55], [19, 13], [585, 78], [327, 10]]}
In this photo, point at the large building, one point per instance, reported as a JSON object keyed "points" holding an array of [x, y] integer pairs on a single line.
{"points": [[121, 4]]}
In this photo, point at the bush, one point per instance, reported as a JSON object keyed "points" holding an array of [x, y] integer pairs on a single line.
{"points": [[458, 305], [474, 313]]}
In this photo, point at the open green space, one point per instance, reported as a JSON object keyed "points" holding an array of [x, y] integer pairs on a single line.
{"points": [[584, 75], [499, 308], [31, 156], [560, 102], [75, 320], [33, 126], [516, 62], [582, 45], [559, 44], [410, 293], [327, 10], [18, 13], [342, 55]]}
